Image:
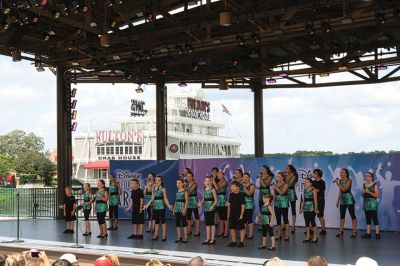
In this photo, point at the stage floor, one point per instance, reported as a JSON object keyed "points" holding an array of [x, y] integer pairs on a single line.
{"points": [[336, 250]]}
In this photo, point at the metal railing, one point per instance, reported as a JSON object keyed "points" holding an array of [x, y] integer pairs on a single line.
{"points": [[33, 202]]}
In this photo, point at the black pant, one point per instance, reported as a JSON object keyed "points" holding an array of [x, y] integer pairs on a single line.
{"points": [[222, 213], [101, 217], [351, 211], [284, 212], [149, 216], [113, 211], [267, 230], [309, 217], [86, 214], [209, 218], [321, 207], [180, 220], [195, 211], [248, 216], [371, 215], [293, 207], [159, 216]]}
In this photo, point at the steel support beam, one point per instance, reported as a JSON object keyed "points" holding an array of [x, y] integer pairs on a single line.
{"points": [[161, 118], [257, 89], [64, 138]]}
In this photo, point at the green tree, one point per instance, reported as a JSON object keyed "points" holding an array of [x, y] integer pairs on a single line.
{"points": [[6, 164], [35, 166], [17, 142]]}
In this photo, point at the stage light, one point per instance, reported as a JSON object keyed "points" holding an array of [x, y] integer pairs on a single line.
{"points": [[189, 47], [223, 85], [35, 19], [139, 89], [40, 68], [240, 40], [51, 33], [6, 10], [195, 67], [147, 55], [16, 56], [182, 84], [382, 67], [310, 29], [178, 49], [284, 74], [149, 16], [105, 41], [93, 24], [347, 20], [380, 18], [113, 24], [57, 15], [73, 92], [163, 72], [256, 37], [85, 8], [324, 74], [47, 37], [254, 55], [225, 19], [153, 69], [326, 26], [44, 2], [74, 126], [342, 68], [73, 103], [235, 61], [217, 41], [164, 50], [74, 114], [271, 81], [75, 63]]}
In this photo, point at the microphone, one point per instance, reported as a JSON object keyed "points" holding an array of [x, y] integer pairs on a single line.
{"points": [[334, 181]]}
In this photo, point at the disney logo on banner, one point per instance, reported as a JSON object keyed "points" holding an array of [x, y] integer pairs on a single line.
{"points": [[303, 174], [125, 176]]}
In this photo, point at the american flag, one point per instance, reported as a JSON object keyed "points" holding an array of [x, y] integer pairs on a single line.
{"points": [[225, 110]]}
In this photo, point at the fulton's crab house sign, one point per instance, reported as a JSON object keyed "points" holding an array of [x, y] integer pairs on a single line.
{"points": [[111, 136]]}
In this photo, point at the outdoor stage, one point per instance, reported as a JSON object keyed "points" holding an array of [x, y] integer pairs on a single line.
{"points": [[47, 234]]}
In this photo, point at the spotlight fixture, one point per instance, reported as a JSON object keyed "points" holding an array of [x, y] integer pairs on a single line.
{"points": [[105, 41], [380, 18], [149, 16], [324, 74], [223, 85], [326, 26], [163, 72], [164, 49], [57, 15], [382, 67], [195, 67], [16, 56], [310, 29], [182, 84], [39, 68], [271, 81], [139, 89], [254, 55], [153, 69], [188, 47], [342, 67], [74, 114], [240, 40], [74, 126], [178, 49], [284, 74], [347, 20], [85, 8], [73, 92], [225, 19], [93, 24], [256, 37], [235, 61]]}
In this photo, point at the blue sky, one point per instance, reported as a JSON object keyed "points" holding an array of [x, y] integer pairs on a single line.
{"points": [[338, 119]]}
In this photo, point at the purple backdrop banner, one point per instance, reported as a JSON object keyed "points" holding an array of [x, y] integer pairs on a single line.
{"points": [[386, 169]]}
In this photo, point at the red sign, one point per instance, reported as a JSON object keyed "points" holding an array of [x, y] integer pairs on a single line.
{"points": [[173, 148]]}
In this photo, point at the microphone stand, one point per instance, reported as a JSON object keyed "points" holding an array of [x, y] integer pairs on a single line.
{"points": [[17, 240], [76, 245], [150, 204]]}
